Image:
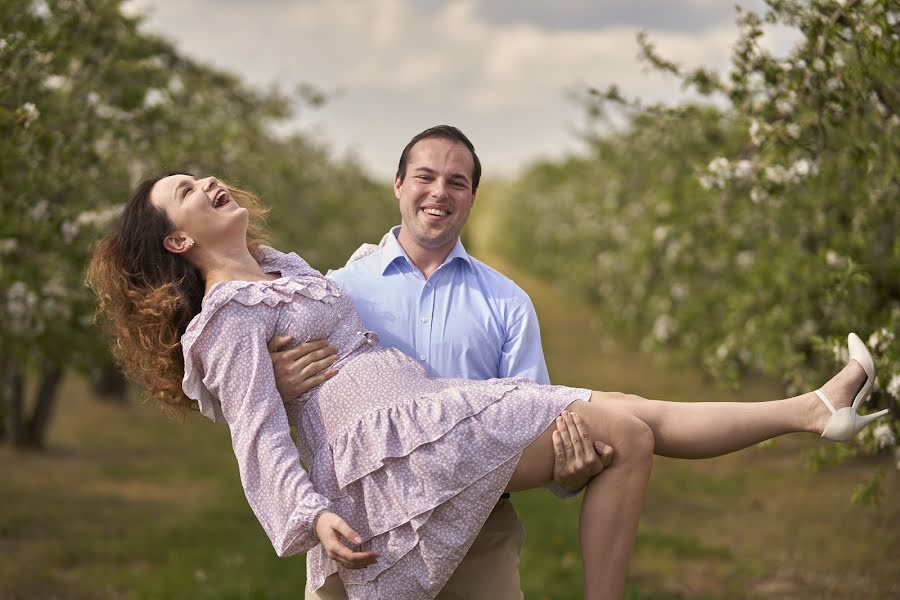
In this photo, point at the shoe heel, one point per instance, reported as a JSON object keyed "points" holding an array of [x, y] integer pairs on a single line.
{"points": [[863, 420]]}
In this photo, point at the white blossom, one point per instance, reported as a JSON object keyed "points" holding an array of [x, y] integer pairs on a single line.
{"points": [[744, 259], [56, 82], [3, 44], [39, 210], [719, 166], [757, 195], [706, 182], [680, 291], [663, 327], [659, 233], [743, 169], [755, 133], [8, 246], [784, 107], [99, 218], [793, 130], [776, 174], [893, 387], [154, 97], [833, 259], [875, 30], [801, 168], [840, 353], [819, 64], [40, 9], [27, 114], [882, 336], [69, 231], [884, 436], [723, 350]]}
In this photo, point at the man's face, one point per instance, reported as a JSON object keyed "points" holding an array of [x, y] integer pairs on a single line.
{"points": [[436, 194]]}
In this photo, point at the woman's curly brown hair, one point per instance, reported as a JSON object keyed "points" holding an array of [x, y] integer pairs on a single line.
{"points": [[146, 296]]}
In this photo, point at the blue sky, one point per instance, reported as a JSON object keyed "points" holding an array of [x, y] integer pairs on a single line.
{"points": [[498, 70]]}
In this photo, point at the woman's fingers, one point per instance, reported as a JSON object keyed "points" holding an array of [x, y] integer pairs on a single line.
{"points": [[335, 548]]}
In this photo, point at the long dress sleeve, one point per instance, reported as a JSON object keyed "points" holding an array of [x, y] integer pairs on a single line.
{"points": [[237, 371]]}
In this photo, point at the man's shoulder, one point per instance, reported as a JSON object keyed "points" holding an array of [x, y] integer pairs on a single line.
{"points": [[365, 261], [496, 284]]}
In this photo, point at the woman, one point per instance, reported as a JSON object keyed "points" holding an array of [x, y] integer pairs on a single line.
{"points": [[403, 466]]}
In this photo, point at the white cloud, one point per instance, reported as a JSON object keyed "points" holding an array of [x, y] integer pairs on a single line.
{"points": [[402, 69]]}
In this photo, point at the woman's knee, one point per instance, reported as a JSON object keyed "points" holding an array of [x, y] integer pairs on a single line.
{"points": [[636, 437], [631, 438]]}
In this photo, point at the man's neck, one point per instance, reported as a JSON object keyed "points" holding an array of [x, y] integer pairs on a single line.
{"points": [[426, 259]]}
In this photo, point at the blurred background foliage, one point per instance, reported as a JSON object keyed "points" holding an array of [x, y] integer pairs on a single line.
{"points": [[746, 231], [89, 105], [750, 229]]}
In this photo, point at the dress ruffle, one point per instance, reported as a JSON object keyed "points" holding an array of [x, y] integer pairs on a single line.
{"points": [[391, 479], [396, 431], [249, 293]]}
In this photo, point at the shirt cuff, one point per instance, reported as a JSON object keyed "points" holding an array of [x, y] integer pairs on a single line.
{"points": [[559, 491]]}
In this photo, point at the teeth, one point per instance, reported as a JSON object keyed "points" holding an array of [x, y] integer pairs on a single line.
{"points": [[435, 212]]}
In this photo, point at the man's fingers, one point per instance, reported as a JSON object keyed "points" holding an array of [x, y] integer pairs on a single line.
{"points": [[565, 438], [605, 452], [315, 380], [277, 343], [575, 436], [312, 351], [559, 453]]}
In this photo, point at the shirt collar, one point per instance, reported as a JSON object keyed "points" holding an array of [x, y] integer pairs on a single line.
{"points": [[393, 251]]}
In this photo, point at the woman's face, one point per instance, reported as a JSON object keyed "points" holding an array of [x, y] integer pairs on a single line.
{"points": [[201, 210]]}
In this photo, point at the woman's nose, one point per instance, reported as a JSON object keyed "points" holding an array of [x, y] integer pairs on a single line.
{"points": [[209, 182]]}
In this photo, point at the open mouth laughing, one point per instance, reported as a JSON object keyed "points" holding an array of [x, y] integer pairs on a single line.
{"points": [[220, 199]]}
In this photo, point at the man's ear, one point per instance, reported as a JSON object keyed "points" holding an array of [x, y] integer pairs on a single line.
{"points": [[397, 184], [177, 242]]}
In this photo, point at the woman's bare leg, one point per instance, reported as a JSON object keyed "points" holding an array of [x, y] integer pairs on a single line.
{"points": [[612, 503], [636, 428], [707, 429]]}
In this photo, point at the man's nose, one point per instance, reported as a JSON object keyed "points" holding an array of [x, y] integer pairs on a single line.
{"points": [[438, 189]]}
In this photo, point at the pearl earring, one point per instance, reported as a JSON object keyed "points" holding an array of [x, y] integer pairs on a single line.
{"points": [[190, 243]]}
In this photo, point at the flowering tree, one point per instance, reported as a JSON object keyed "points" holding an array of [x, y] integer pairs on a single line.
{"points": [[754, 231], [88, 105]]}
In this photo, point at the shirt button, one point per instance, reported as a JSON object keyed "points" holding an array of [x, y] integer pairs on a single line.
{"points": [[424, 319], [427, 284], [421, 357]]}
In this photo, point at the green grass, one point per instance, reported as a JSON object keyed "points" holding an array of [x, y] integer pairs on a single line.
{"points": [[127, 504]]}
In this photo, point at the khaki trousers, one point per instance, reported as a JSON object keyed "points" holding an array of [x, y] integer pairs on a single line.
{"points": [[489, 571]]}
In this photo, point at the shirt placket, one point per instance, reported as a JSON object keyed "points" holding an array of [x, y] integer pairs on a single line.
{"points": [[425, 319]]}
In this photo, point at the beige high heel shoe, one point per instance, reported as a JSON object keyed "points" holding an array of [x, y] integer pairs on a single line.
{"points": [[845, 423]]}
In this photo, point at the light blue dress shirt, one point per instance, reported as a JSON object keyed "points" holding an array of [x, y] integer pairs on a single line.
{"points": [[465, 320]]}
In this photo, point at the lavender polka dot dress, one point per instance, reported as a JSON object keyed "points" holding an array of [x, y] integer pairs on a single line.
{"points": [[414, 464]]}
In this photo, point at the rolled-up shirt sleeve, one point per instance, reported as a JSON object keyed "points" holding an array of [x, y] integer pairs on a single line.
{"points": [[237, 370]]}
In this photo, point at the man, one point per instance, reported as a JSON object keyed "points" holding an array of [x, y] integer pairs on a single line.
{"points": [[424, 295]]}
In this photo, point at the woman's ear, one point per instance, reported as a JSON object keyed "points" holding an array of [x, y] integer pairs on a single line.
{"points": [[178, 243]]}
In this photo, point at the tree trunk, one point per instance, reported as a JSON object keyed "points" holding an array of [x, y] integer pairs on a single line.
{"points": [[44, 402], [14, 390], [110, 384]]}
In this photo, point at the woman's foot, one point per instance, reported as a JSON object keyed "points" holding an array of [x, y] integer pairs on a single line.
{"points": [[840, 390], [846, 391]]}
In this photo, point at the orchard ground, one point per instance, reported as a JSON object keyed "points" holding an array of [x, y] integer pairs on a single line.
{"points": [[127, 504]]}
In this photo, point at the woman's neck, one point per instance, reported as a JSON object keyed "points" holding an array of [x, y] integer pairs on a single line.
{"points": [[229, 265]]}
